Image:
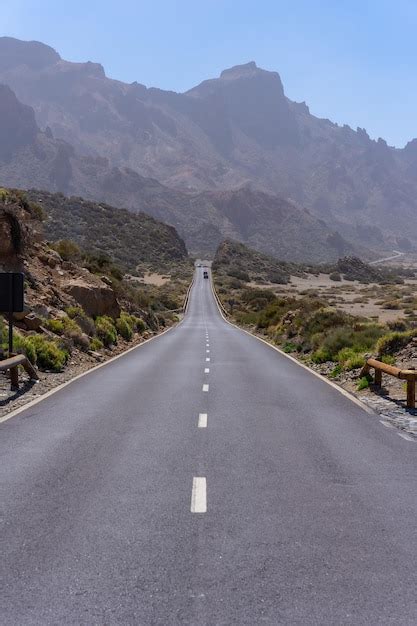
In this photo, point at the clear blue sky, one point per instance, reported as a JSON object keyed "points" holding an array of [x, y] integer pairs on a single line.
{"points": [[353, 61]]}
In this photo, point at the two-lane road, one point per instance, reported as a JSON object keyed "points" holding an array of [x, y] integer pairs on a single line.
{"points": [[205, 479]]}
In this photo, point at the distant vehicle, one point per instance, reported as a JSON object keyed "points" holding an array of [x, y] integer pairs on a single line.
{"points": [[205, 274]]}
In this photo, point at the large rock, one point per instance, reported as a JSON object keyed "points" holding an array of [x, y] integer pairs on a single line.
{"points": [[95, 298]]}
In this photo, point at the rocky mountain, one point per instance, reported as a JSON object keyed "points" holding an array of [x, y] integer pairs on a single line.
{"points": [[227, 132], [35, 159]]}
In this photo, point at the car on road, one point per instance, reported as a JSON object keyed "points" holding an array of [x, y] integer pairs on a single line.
{"points": [[205, 274]]}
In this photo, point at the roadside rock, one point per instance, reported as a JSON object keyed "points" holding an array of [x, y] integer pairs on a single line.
{"points": [[32, 321], [95, 298]]}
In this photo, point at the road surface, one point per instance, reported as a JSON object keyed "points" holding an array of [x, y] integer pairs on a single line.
{"points": [[152, 491], [396, 255]]}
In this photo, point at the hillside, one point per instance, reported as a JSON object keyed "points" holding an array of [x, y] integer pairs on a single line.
{"points": [[82, 307], [227, 132], [130, 239], [237, 260]]}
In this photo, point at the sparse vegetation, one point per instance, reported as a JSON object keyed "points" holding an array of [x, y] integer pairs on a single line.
{"points": [[106, 330]]}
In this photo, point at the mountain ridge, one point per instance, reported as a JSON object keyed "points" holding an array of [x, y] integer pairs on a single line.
{"points": [[37, 160], [223, 134]]}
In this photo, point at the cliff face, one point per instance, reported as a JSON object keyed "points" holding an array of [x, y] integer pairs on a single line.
{"points": [[20, 230], [18, 126]]}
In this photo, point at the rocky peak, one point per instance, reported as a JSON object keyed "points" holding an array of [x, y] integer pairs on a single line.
{"points": [[241, 71], [33, 54], [251, 71]]}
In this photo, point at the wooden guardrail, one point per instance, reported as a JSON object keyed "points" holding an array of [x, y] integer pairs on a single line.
{"points": [[410, 375], [12, 364]]}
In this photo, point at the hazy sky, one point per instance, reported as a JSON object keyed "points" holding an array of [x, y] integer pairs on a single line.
{"points": [[353, 61]]}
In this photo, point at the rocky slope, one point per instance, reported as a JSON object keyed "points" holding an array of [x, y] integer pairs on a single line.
{"points": [[224, 133], [68, 307]]}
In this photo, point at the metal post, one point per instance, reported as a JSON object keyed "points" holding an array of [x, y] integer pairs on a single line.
{"points": [[10, 314]]}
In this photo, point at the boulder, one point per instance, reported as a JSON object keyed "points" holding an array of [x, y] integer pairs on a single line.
{"points": [[95, 298], [32, 321]]}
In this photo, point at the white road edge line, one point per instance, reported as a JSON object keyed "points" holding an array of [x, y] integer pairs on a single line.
{"points": [[202, 420], [342, 391], [406, 436], [207, 370], [199, 495], [205, 387]]}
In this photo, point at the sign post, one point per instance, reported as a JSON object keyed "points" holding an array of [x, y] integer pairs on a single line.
{"points": [[11, 298]]}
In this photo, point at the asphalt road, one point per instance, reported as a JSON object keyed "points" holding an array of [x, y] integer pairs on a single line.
{"points": [[283, 503]]}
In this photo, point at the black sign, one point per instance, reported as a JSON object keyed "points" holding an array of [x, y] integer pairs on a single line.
{"points": [[11, 292]]}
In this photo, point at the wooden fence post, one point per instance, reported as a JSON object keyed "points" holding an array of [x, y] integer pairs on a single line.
{"points": [[411, 393]]}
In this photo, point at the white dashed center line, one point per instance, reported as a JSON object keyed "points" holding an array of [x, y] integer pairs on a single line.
{"points": [[202, 420], [207, 351], [205, 387], [207, 359], [199, 495], [207, 370]]}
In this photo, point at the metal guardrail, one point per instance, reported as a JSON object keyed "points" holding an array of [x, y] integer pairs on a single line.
{"points": [[410, 375], [12, 364], [187, 296]]}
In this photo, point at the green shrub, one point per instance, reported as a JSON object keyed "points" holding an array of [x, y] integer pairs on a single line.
{"points": [[55, 326], [336, 371], [388, 359], [3, 331], [335, 276], [124, 328], [324, 319], [85, 322], [350, 359], [363, 383], [96, 344], [23, 346], [49, 355], [69, 328], [360, 339], [106, 330], [139, 325], [74, 311], [290, 347], [320, 356], [393, 342], [67, 250]]}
